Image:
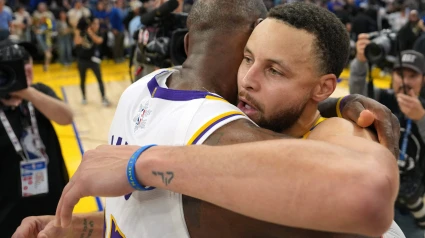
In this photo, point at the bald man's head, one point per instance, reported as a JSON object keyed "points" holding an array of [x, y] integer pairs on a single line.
{"points": [[225, 15]]}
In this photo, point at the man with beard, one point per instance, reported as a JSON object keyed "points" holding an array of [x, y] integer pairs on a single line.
{"points": [[405, 101], [261, 180]]}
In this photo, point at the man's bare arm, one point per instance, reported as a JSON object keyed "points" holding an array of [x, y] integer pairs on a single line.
{"points": [[281, 181], [83, 225], [278, 181], [241, 131]]}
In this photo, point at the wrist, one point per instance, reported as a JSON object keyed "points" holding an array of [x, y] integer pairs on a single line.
{"points": [[28, 93], [135, 174], [340, 105], [152, 160], [420, 116], [86, 223]]}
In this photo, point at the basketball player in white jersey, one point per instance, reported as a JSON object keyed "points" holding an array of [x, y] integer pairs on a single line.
{"points": [[142, 112]]}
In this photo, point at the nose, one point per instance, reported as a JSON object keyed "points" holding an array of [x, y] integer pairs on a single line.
{"points": [[251, 80]]}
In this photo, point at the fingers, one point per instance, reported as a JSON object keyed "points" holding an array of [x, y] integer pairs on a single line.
{"points": [[396, 133], [384, 127], [403, 104], [70, 200], [366, 119], [28, 228], [61, 213], [406, 98], [362, 36], [25, 230], [412, 93], [352, 111], [50, 231]]}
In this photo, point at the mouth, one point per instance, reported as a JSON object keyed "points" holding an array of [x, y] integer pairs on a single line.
{"points": [[246, 107]]}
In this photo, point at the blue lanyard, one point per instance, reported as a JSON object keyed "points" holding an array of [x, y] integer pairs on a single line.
{"points": [[405, 139]]}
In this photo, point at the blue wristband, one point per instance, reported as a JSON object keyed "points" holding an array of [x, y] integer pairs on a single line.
{"points": [[131, 170]]}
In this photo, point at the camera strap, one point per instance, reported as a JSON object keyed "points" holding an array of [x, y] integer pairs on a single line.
{"points": [[405, 142], [12, 136], [34, 128]]}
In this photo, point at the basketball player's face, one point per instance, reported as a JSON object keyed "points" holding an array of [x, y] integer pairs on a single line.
{"points": [[277, 75]]}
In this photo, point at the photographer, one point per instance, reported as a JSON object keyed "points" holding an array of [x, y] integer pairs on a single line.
{"points": [[403, 101], [28, 140], [87, 41]]}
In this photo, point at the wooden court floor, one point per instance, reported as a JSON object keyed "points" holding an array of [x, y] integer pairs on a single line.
{"points": [[92, 121]]}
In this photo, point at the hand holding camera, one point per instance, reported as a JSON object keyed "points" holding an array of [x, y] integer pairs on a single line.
{"points": [[16, 97], [362, 42]]}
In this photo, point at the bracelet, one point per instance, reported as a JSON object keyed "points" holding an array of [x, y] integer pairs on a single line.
{"points": [[131, 170], [339, 106]]}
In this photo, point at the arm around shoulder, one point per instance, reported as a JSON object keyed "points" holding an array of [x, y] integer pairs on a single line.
{"points": [[377, 187]]}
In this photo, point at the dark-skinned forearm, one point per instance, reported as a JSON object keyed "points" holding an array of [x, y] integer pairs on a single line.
{"points": [[327, 108]]}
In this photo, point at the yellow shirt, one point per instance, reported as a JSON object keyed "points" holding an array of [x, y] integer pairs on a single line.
{"points": [[320, 120]]}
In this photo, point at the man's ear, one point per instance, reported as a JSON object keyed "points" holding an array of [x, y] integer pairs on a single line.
{"points": [[186, 43], [324, 88]]}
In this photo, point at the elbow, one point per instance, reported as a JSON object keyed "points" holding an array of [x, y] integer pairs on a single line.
{"points": [[67, 118], [373, 204]]}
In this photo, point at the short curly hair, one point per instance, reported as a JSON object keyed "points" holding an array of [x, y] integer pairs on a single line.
{"points": [[332, 44]]}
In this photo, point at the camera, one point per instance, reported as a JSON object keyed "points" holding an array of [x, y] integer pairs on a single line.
{"points": [[12, 77], [383, 48], [83, 24], [160, 41], [12, 68]]}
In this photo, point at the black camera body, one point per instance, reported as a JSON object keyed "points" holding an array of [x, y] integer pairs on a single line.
{"points": [[12, 67], [382, 50], [161, 40]]}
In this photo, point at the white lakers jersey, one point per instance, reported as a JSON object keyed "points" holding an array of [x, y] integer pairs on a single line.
{"points": [[150, 113]]}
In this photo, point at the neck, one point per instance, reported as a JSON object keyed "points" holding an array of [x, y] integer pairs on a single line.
{"points": [[308, 118], [209, 67]]}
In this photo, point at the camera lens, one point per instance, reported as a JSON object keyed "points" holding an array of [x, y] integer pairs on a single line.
{"points": [[4, 78]]}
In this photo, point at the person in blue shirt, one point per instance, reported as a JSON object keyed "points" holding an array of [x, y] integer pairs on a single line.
{"points": [[116, 19], [5, 18]]}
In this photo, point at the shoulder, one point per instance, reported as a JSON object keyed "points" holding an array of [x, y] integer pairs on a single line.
{"points": [[41, 87], [336, 126], [45, 89]]}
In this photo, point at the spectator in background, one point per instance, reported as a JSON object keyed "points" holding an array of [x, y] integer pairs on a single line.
{"points": [[43, 26], [116, 18], [64, 39], [362, 23], [34, 4], [135, 6], [102, 14], [22, 24], [5, 19], [7, 8], [86, 40], [409, 109], [134, 23], [410, 32], [75, 14], [40, 144], [398, 18]]}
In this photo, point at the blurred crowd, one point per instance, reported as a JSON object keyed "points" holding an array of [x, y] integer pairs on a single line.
{"points": [[51, 24]]}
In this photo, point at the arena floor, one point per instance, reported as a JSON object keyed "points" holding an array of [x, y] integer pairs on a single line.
{"points": [[91, 121]]}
